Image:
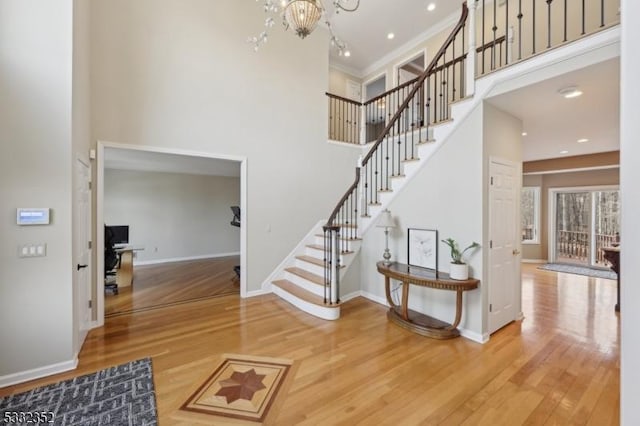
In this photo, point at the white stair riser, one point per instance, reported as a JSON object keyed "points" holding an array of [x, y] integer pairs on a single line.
{"points": [[304, 283], [330, 313], [314, 269], [317, 254], [351, 245]]}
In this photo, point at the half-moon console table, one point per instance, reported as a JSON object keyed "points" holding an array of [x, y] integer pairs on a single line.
{"points": [[416, 321]]}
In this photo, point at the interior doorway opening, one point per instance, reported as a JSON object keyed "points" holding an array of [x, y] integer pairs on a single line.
{"points": [[180, 244]]}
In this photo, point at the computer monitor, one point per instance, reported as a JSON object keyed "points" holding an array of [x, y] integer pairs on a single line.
{"points": [[120, 234]]}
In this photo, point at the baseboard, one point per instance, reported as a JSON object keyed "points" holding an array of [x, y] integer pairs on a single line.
{"points": [[379, 300], [183, 259], [520, 316], [472, 335], [534, 261], [350, 296], [255, 293], [36, 373]]}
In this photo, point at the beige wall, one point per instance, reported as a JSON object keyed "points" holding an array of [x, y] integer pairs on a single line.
{"points": [[338, 82], [560, 180], [36, 297], [173, 215], [179, 74]]}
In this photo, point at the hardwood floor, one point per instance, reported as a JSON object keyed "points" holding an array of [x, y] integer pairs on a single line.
{"points": [[172, 283], [558, 366]]}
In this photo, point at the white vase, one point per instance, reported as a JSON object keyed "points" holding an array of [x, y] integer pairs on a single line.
{"points": [[459, 271]]}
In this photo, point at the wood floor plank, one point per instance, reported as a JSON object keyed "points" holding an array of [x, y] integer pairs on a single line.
{"points": [[558, 366]]}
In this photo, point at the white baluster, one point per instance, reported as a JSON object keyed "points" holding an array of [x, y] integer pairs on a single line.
{"points": [[471, 55]]}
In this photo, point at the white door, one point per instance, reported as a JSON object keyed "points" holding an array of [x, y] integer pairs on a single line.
{"points": [[504, 245], [82, 252]]}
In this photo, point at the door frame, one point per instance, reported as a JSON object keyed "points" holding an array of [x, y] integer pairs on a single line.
{"points": [[409, 58], [80, 328], [551, 201], [99, 224], [518, 242]]}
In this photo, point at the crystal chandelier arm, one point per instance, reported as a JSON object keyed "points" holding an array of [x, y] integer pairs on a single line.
{"points": [[338, 4]]}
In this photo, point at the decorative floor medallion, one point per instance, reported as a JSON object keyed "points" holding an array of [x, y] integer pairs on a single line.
{"points": [[241, 387]]}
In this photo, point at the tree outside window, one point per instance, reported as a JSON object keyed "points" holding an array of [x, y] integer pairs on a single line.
{"points": [[530, 214]]}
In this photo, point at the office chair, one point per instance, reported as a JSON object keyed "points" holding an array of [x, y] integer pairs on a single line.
{"points": [[236, 222], [110, 262]]}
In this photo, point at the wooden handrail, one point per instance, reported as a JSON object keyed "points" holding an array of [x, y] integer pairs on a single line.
{"points": [[390, 91], [421, 79], [418, 85], [340, 98]]}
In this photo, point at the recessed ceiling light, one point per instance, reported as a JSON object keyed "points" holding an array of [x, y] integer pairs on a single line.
{"points": [[524, 133], [570, 92], [347, 53], [564, 152], [431, 7], [390, 36], [583, 140]]}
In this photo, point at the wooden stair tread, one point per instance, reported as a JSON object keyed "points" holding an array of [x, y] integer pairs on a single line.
{"points": [[313, 260], [409, 160], [462, 99], [428, 141], [316, 279], [321, 248], [342, 238], [300, 293], [397, 176], [346, 225], [441, 122]]}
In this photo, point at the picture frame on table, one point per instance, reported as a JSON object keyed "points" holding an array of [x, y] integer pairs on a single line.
{"points": [[422, 248]]}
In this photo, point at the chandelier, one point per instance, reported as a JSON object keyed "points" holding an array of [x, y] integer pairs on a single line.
{"points": [[302, 16]]}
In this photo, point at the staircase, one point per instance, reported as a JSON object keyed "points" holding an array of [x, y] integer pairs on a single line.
{"points": [[310, 277], [425, 112]]}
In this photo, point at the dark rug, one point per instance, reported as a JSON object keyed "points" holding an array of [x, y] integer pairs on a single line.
{"points": [[580, 270], [120, 395]]}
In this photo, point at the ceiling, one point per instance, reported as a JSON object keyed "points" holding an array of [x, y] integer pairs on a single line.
{"points": [[147, 161], [365, 30], [554, 124]]}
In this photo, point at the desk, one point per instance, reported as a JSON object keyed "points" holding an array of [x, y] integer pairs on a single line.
{"points": [[416, 321], [612, 254], [124, 273]]}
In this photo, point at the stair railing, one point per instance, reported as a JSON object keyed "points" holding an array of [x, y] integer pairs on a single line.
{"points": [[344, 119], [513, 30], [418, 105]]}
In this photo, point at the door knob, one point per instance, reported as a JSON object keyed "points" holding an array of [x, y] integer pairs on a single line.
{"points": [[516, 252], [81, 266]]}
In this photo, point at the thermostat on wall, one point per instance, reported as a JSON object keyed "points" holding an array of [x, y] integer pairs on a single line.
{"points": [[33, 216]]}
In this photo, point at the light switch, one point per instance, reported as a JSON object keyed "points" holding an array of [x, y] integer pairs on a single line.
{"points": [[32, 250], [24, 252], [41, 249]]}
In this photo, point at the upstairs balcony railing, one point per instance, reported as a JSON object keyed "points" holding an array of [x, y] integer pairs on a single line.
{"points": [[503, 32], [509, 31]]}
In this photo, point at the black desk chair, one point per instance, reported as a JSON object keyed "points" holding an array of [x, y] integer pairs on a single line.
{"points": [[236, 222], [110, 262]]}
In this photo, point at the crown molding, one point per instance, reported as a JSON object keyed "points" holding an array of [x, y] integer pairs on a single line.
{"points": [[346, 69]]}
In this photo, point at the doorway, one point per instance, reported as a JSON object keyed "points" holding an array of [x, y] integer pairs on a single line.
{"points": [[82, 250], [171, 248], [583, 221]]}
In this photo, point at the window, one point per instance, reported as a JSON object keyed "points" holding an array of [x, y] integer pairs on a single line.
{"points": [[530, 212]]}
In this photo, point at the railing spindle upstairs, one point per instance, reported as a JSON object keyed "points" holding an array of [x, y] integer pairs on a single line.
{"points": [[404, 116]]}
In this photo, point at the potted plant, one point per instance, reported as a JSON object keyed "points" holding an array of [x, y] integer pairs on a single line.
{"points": [[459, 270]]}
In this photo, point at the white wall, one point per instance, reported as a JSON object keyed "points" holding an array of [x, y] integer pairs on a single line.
{"points": [[630, 235], [502, 136], [179, 74], [35, 171], [172, 215], [446, 194]]}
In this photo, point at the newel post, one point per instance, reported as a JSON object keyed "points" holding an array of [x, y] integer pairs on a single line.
{"points": [[471, 56]]}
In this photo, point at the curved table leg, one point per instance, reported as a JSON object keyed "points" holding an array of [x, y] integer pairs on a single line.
{"points": [[456, 321], [405, 301], [387, 291]]}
